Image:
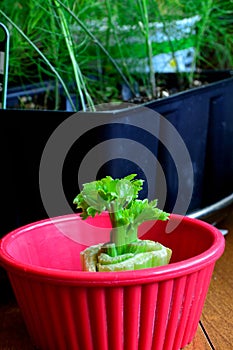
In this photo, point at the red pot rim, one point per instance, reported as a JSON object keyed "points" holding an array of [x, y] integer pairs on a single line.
{"points": [[149, 275]]}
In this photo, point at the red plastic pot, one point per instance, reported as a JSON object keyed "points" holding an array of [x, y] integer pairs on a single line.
{"points": [[65, 308]]}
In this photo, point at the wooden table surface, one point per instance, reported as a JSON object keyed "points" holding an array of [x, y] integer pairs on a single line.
{"points": [[215, 328]]}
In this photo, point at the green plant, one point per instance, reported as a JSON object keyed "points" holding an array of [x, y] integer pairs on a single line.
{"points": [[91, 47], [55, 10], [124, 251], [214, 47], [55, 20]]}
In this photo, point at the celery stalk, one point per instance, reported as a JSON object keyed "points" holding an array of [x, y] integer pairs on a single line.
{"points": [[89, 257]]}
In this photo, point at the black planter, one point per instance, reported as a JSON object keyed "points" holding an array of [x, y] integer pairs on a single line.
{"points": [[201, 116], [204, 119]]}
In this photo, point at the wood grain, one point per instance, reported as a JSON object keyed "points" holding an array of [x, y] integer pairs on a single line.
{"points": [[217, 316], [200, 342], [13, 333]]}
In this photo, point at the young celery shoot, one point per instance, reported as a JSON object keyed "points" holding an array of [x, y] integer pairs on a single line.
{"points": [[124, 251]]}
